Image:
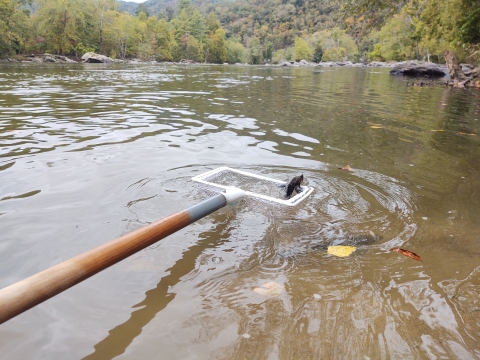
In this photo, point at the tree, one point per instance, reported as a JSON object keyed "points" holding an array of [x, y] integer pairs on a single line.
{"points": [[142, 8], [216, 49], [184, 5], [14, 27], [336, 44], [256, 51], [169, 13], [450, 25], [61, 22], [301, 50], [235, 51], [212, 22], [317, 53], [103, 14], [164, 41], [396, 39]]}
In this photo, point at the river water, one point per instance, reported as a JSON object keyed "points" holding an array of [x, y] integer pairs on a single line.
{"points": [[91, 152]]}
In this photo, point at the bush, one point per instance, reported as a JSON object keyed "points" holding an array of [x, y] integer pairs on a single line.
{"points": [[376, 53], [283, 55], [235, 51], [302, 51]]}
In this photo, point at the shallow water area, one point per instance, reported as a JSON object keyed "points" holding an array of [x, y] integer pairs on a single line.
{"points": [[90, 152]]}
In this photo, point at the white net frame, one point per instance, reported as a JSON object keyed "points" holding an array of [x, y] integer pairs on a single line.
{"points": [[217, 176]]}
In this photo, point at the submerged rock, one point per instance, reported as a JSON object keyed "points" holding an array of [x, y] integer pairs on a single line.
{"points": [[417, 68], [91, 57]]}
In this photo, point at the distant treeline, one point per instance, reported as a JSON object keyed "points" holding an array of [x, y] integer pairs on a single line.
{"points": [[254, 31]]}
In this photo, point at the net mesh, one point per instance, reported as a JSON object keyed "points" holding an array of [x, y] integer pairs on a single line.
{"points": [[248, 183], [257, 186]]}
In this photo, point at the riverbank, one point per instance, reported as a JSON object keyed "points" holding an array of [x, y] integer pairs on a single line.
{"points": [[90, 57], [409, 67]]}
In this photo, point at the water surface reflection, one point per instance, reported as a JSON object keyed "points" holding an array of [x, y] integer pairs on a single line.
{"points": [[89, 152]]}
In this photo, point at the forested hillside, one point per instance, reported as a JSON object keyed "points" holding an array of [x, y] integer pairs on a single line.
{"points": [[254, 31]]}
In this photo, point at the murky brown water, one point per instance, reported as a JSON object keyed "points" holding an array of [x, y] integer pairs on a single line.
{"points": [[88, 153]]}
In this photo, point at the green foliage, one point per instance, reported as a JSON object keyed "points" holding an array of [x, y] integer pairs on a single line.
{"points": [[212, 22], [376, 53], [272, 30], [14, 28], [317, 53], [334, 54], [184, 5], [335, 44], [164, 41], [61, 23], [418, 28], [302, 50], [255, 51], [216, 51], [469, 22], [169, 13], [142, 8], [81, 49], [283, 55], [396, 40], [235, 51]]}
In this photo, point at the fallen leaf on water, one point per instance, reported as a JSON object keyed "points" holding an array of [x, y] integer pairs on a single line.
{"points": [[406, 253], [376, 127], [437, 130], [270, 288], [444, 104], [341, 251], [346, 168]]}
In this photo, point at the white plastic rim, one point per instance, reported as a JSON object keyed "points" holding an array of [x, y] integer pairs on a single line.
{"points": [[294, 200]]}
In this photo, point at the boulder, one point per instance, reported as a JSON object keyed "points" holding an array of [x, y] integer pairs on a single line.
{"points": [[377, 64], [56, 58], [91, 57], [285, 63], [186, 61], [48, 58], [416, 68], [325, 64], [304, 63]]}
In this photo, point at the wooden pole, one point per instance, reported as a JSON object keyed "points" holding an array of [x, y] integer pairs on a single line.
{"points": [[27, 293]]}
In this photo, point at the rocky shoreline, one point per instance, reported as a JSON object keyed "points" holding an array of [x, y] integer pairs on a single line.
{"points": [[408, 68]]}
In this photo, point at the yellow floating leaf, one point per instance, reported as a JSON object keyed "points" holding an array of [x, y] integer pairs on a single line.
{"points": [[270, 288], [376, 127], [341, 251], [437, 130]]}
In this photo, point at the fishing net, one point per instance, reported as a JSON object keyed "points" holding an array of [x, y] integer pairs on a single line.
{"points": [[257, 186]]}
